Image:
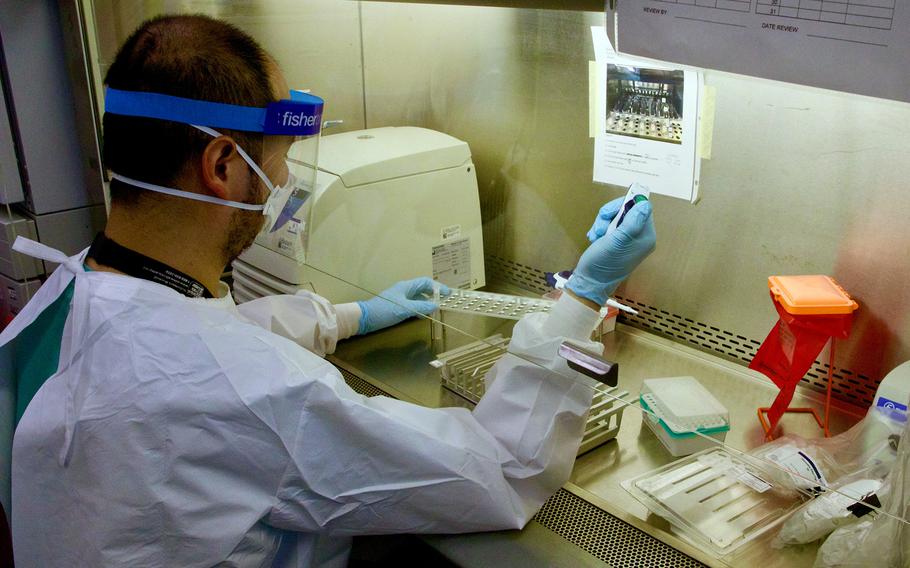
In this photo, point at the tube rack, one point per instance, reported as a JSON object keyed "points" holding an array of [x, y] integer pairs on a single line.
{"points": [[463, 371]]}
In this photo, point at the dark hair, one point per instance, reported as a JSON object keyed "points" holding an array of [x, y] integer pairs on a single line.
{"points": [[195, 57]]}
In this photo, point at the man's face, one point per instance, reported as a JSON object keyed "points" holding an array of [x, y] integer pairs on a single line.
{"points": [[246, 225]]}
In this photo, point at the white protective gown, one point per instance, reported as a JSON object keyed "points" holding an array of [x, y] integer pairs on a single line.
{"points": [[183, 432]]}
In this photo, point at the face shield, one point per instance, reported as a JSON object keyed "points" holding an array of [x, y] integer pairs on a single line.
{"points": [[288, 162], [294, 160]]}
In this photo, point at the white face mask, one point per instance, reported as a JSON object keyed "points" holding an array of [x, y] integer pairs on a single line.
{"points": [[269, 208]]}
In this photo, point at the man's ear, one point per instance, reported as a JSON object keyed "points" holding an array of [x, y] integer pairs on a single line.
{"points": [[223, 169]]}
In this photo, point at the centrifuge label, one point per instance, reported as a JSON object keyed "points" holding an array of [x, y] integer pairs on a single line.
{"points": [[452, 263]]}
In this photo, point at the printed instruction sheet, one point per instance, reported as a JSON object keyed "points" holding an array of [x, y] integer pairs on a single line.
{"points": [[858, 46], [645, 121]]}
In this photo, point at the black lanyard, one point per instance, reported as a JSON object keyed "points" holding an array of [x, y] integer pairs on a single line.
{"points": [[108, 253]]}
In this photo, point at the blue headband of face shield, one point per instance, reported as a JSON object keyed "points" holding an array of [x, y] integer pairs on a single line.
{"points": [[300, 116]]}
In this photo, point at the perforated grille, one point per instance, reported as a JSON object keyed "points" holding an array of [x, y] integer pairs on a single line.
{"points": [[521, 275], [848, 385], [361, 386], [606, 537]]}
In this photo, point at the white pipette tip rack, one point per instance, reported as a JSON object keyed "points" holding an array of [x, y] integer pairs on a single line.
{"points": [[503, 306]]}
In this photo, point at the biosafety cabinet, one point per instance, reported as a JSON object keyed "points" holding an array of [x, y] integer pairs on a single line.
{"points": [[388, 204], [783, 169]]}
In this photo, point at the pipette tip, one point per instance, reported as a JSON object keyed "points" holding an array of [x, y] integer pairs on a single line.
{"points": [[613, 303]]}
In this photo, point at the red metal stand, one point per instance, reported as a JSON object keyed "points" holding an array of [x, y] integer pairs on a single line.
{"points": [[823, 424]]}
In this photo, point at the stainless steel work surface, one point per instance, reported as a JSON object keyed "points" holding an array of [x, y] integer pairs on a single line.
{"points": [[398, 360]]}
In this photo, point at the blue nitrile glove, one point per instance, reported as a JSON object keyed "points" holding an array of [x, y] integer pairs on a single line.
{"points": [[404, 299], [611, 258]]}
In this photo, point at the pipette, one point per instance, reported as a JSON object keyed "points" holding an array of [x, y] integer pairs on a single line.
{"points": [[558, 280], [636, 194]]}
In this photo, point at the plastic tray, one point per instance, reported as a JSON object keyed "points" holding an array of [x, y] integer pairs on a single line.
{"points": [[715, 498]]}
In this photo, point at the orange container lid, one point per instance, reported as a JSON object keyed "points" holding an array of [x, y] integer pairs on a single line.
{"points": [[811, 295]]}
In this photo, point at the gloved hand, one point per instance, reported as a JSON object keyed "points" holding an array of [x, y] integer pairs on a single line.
{"points": [[611, 258], [404, 299]]}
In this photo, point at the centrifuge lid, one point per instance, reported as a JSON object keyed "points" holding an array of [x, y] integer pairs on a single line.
{"points": [[369, 156]]}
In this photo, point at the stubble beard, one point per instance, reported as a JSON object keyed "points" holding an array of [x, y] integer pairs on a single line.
{"points": [[243, 229]]}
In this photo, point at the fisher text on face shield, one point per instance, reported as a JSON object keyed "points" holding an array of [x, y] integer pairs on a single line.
{"points": [[293, 119], [289, 118]]}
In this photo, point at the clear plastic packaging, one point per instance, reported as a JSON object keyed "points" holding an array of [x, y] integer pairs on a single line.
{"points": [[835, 550], [885, 539], [824, 514], [869, 444]]}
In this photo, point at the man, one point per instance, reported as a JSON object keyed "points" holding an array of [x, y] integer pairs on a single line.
{"points": [[179, 430]]}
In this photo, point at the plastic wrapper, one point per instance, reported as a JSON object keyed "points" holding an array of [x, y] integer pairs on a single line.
{"points": [[883, 541], [835, 550], [831, 510], [815, 464]]}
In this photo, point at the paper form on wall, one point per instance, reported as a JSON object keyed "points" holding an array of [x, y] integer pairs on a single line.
{"points": [[647, 114], [858, 46]]}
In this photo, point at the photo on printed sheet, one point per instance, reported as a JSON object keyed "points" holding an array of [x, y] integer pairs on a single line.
{"points": [[645, 103]]}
